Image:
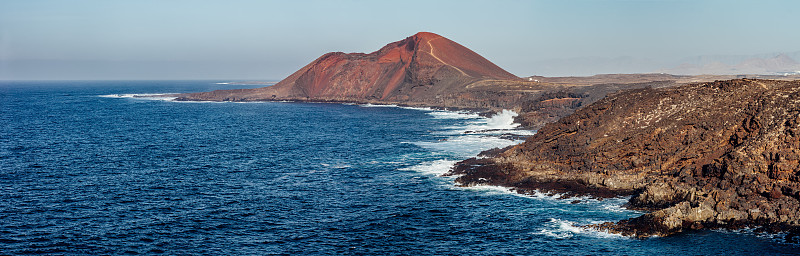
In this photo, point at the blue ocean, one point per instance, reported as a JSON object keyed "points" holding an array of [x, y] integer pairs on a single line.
{"points": [[88, 169]]}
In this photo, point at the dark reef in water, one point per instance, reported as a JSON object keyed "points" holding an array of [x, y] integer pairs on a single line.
{"points": [[722, 154]]}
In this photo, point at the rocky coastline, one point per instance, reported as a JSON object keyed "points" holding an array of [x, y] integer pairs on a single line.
{"points": [[722, 154], [694, 153]]}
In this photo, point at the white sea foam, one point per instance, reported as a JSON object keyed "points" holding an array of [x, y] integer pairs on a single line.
{"points": [[436, 167], [419, 108], [750, 231], [500, 190], [615, 205], [501, 123], [197, 101], [336, 166], [248, 102], [157, 96], [503, 120], [465, 146], [563, 229], [370, 105], [492, 190], [142, 96], [560, 229], [478, 134], [454, 115], [115, 96]]}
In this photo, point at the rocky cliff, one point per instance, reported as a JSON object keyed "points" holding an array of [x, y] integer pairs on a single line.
{"points": [[717, 154]]}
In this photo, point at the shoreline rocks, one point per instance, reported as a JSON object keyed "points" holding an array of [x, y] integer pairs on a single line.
{"points": [[723, 154]]}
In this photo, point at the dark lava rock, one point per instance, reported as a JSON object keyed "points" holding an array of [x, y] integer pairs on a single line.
{"points": [[723, 154]]}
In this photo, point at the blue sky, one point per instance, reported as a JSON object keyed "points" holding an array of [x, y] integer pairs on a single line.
{"points": [[268, 40]]}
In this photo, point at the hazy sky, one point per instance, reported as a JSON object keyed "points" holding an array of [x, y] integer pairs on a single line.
{"points": [[192, 39]]}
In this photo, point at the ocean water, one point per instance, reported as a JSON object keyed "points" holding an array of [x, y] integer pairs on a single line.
{"points": [[85, 169]]}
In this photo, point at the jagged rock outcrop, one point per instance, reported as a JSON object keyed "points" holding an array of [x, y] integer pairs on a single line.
{"points": [[718, 154]]}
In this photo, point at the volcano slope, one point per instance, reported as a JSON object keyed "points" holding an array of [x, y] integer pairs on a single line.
{"points": [[426, 69], [722, 154], [429, 70]]}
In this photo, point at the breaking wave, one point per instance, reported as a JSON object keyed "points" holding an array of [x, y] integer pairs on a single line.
{"points": [[472, 133], [370, 105], [565, 229], [141, 96], [469, 134], [436, 167]]}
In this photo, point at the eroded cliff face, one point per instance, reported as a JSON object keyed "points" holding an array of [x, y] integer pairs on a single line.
{"points": [[718, 154]]}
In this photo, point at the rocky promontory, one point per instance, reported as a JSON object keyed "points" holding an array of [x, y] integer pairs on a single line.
{"points": [[722, 154]]}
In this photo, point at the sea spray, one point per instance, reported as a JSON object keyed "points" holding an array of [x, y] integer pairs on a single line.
{"points": [[141, 96], [472, 133], [436, 167], [465, 146], [504, 120], [453, 115], [565, 229]]}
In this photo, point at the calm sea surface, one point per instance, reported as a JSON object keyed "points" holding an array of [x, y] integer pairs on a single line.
{"points": [[86, 169]]}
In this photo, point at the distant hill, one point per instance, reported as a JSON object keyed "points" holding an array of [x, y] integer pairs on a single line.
{"points": [[733, 65], [420, 68], [429, 70], [755, 64]]}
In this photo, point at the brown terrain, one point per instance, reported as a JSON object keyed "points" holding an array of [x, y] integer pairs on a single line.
{"points": [[722, 154], [424, 69], [696, 152], [427, 69]]}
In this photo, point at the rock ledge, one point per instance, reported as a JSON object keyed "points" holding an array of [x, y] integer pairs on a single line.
{"points": [[723, 154]]}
